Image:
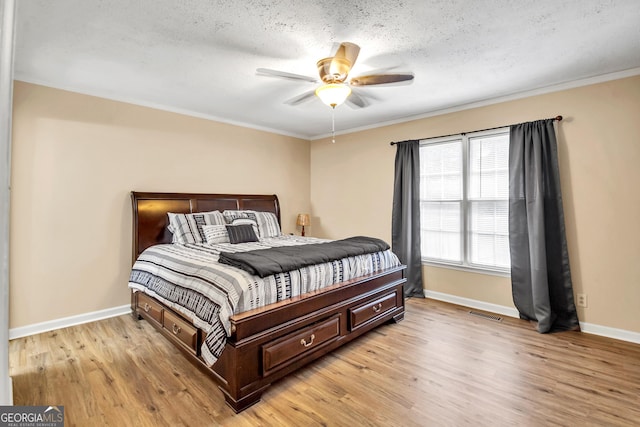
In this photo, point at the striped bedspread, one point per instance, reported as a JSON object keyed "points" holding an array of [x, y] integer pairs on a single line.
{"points": [[190, 279]]}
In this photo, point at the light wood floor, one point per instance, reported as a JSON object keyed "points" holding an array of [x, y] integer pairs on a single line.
{"points": [[440, 366]]}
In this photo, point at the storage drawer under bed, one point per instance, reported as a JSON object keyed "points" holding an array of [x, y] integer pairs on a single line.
{"points": [[185, 332], [286, 350], [371, 310], [150, 307]]}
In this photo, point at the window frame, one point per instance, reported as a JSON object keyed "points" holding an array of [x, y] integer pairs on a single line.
{"points": [[465, 206]]}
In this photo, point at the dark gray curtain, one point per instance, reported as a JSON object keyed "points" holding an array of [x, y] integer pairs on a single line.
{"points": [[540, 274], [405, 217]]}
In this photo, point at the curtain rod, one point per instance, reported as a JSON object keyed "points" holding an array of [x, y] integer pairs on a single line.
{"points": [[558, 118]]}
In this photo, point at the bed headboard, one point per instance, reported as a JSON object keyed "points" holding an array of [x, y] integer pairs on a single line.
{"points": [[150, 218]]}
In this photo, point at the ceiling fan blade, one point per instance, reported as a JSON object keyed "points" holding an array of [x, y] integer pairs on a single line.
{"points": [[356, 101], [299, 99], [380, 79], [349, 51], [275, 73]]}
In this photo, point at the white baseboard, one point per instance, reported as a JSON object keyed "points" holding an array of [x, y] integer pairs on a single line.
{"points": [[589, 328], [606, 331], [472, 303], [65, 322]]}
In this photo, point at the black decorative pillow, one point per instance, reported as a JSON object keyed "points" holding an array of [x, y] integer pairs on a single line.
{"points": [[241, 233], [267, 224], [251, 222]]}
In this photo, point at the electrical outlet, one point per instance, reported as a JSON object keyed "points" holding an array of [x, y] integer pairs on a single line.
{"points": [[581, 300]]}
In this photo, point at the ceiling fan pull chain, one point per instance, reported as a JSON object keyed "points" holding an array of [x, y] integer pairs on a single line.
{"points": [[333, 125]]}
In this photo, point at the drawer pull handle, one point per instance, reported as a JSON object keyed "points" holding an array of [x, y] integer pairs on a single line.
{"points": [[176, 329], [377, 308], [146, 307], [310, 343]]}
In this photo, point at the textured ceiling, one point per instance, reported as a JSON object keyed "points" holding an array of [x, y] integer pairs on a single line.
{"points": [[200, 57]]}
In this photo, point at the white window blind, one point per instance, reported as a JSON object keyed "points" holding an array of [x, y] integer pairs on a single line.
{"points": [[441, 200], [465, 200]]}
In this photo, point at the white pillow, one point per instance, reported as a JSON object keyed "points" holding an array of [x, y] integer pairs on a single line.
{"points": [[216, 234]]}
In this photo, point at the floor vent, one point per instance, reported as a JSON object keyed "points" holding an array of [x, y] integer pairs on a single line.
{"points": [[486, 316]]}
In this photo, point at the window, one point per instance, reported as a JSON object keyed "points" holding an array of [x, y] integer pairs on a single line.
{"points": [[464, 200]]}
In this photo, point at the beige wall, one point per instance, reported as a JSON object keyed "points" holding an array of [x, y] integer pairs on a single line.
{"points": [[75, 160], [76, 157], [599, 148]]}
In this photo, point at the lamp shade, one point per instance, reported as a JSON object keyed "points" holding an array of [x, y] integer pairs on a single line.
{"points": [[303, 220], [333, 94]]}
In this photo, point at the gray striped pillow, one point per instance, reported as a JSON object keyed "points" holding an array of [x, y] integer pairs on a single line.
{"points": [[187, 228], [268, 224]]}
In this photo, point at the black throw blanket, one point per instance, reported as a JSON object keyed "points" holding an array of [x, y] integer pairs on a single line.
{"points": [[265, 262]]}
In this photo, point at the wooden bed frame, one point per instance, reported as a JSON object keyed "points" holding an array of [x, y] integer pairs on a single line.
{"points": [[270, 342]]}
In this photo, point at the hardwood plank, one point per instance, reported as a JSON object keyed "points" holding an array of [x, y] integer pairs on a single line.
{"points": [[440, 366]]}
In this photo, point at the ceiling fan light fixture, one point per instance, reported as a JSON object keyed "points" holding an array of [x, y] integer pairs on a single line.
{"points": [[333, 94]]}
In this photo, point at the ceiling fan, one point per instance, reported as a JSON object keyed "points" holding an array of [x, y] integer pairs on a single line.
{"points": [[333, 72]]}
